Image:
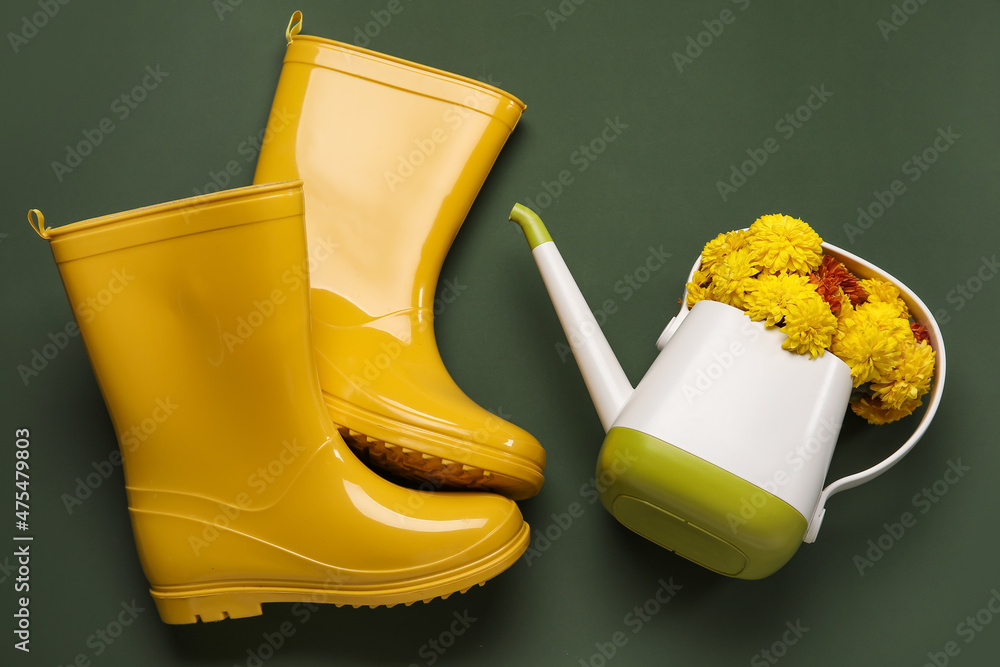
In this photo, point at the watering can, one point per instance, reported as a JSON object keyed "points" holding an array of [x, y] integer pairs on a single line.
{"points": [[720, 453]]}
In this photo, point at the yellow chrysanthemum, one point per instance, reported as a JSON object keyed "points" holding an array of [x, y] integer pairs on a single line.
{"points": [[870, 352], [810, 326], [732, 276], [720, 246], [696, 293], [737, 239], [911, 379], [697, 289], [876, 413], [887, 317], [846, 309], [881, 291], [783, 243], [770, 295]]}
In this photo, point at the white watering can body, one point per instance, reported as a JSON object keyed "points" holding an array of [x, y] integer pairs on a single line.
{"points": [[721, 451]]}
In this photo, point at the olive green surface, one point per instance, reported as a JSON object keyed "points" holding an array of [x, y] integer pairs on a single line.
{"points": [[631, 125]]}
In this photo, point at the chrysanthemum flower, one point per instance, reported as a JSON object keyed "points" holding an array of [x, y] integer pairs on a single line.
{"points": [[886, 316], [782, 243], [720, 246], [770, 296], [910, 380], [870, 352], [732, 276], [697, 289], [833, 279], [919, 332], [701, 277], [875, 412], [809, 325], [845, 309], [885, 292]]}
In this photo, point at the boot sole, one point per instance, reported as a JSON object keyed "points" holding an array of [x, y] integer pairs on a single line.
{"points": [[428, 456], [243, 600]]}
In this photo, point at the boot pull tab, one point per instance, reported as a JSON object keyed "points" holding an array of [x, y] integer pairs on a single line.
{"points": [[37, 222], [294, 26]]}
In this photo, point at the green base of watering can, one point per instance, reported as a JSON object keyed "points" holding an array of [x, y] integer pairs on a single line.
{"points": [[729, 525]]}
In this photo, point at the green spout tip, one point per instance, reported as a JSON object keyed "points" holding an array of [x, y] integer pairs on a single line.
{"points": [[532, 226]]}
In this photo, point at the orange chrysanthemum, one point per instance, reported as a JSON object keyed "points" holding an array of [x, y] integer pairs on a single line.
{"points": [[832, 278]]}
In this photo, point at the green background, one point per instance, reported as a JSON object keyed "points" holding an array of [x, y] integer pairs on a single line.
{"points": [[654, 185]]}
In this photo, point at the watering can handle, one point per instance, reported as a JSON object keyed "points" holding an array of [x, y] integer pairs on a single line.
{"points": [[922, 314]]}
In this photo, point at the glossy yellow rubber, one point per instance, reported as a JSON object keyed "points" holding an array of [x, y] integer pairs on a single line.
{"points": [[239, 487], [392, 155]]}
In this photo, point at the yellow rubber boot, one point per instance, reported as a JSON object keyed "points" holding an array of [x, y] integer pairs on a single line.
{"points": [[239, 488], [392, 155]]}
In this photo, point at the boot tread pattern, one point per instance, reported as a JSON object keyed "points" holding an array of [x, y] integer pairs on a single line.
{"points": [[423, 467]]}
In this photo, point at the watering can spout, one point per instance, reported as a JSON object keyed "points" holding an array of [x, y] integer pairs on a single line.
{"points": [[606, 381]]}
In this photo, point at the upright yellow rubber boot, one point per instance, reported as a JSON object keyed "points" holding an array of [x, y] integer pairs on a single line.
{"points": [[391, 155], [239, 488]]}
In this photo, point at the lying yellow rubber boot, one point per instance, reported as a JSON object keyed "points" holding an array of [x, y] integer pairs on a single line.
{"points": [[240, 489], [392, 155]]}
